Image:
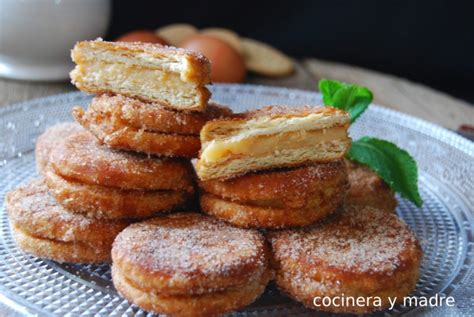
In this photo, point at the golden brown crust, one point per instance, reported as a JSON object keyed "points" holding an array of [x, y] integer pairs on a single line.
{"points": [[304, 290], [368, 189], [153, 117], [33, 211], [198, 64], [251, 216], [48, 140], [208, 304], [113, 131], [284, 188], [189, 253], [79, 157], [60, 251], [111, 203], [361, 251]]}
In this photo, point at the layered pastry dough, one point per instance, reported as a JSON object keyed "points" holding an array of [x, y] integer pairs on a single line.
{"points": [[272, 137], [173, 77]]}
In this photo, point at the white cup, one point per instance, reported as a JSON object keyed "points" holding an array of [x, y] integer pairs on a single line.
{"points": [[36, 36]]}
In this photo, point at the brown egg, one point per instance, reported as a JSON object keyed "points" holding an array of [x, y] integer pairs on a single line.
{"points": [[143, 36], [227, 65]]}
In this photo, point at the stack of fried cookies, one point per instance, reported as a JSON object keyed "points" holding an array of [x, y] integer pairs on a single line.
{"points": [[90, 187], [150, 98], [45, 227], [189, 264], [280, 201], [283, 168], [276, 167]]}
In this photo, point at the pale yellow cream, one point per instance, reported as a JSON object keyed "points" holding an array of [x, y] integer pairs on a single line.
{"points": [[217, 150]]}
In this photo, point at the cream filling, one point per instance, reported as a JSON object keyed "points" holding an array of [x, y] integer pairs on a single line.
{"points": [[173, 63], [150, 83], [259, 145]]}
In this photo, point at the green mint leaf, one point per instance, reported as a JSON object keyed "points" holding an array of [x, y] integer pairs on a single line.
{"points": [[348, 97], [394, 165]]}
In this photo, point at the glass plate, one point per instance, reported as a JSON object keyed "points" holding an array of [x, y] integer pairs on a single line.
{"points": [[444, 225]]}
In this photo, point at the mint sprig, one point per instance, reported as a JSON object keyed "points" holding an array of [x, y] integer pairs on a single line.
{"points": [[393, 164], [348, 97]]}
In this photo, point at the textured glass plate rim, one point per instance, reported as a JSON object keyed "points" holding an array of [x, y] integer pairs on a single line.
{"points": [[421, 126]]}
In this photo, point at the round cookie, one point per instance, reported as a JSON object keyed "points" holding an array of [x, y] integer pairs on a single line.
{"points": [[153, 117], [366, 188], [176, 33], [277, 199], [60, 251], [45, 229], [360, 252], [81, 158], [284, 188], [251, 216], [110, 129], [111, 203], [265, 60], [206, 304], [226, 35], [48, 140], [189, 260]]}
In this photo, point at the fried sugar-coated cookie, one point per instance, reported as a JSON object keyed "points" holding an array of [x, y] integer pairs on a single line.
{"points": [[153, 117], [282, 188], [205, 305], [360, 252], [45, 229], [111, 130], [81, 158], [252, 216], [48, 140], [279, 198], [188, 264], [368, 189], [109, 202]]}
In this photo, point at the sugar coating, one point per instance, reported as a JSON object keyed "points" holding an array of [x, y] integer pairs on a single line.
{"points": [[32, 209], [33, 201], [283, 188], [50, 138], [81, 157], [190, 243], [358, 240], [296, 180], [152, 116], [85, 145]]}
